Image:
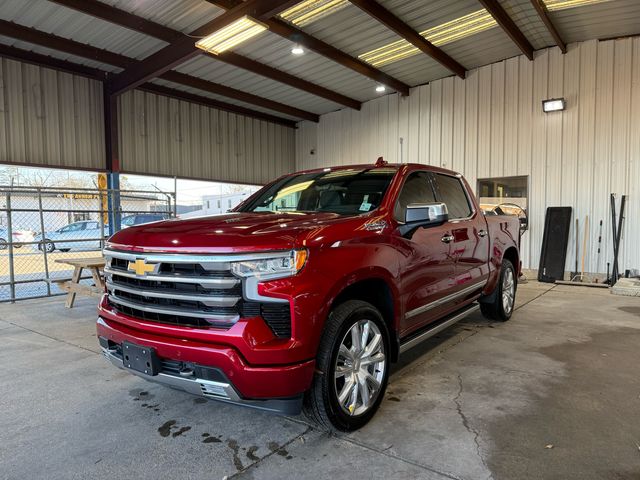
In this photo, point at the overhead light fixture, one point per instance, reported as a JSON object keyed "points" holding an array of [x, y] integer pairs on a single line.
{"points": [[439, 35], [380, 88], [553, 5], [554, 105], [230, 36], [297, 50], [309, 11]]}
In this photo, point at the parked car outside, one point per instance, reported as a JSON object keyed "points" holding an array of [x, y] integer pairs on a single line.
{"points": [[19, 235], [71, 237], [142, 218]]}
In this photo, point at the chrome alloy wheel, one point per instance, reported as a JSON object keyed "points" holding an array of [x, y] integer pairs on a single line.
{"points": [[508, 291], [360, 367]]}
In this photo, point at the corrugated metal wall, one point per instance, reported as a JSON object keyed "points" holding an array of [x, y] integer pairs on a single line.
{"points": [[492, 125], [49, 118], [164, 136], [54, 119]]}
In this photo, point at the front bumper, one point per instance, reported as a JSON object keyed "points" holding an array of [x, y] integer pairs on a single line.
{"points": [[211, 389], [277, 388]]}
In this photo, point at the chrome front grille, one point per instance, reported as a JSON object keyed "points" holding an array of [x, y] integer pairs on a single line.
{"points": [[197, 291], [194, 291]]}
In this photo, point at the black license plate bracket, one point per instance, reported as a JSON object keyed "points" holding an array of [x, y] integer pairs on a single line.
{"points": [[141, 359]]}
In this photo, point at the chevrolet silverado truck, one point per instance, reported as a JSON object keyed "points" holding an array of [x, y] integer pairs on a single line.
{"points": [[302, 296]]}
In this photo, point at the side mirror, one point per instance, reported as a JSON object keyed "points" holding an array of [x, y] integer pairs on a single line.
{"points": [[423, 215], [524, 224]]}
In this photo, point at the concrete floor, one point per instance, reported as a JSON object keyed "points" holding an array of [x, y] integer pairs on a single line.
{"points": [[552, 394]]}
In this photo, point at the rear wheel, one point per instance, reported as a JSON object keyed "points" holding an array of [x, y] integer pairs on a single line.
{"points": [[3, 244], [499, 305], [353, 364]]}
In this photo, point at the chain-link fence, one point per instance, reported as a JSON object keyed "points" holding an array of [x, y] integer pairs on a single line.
{"points": [[40, 228]]}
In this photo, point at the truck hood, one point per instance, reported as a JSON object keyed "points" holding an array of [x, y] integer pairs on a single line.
{"points": [[227, 233]]}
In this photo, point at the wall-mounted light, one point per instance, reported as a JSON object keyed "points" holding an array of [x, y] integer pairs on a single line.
{"points": [[554, 105]]}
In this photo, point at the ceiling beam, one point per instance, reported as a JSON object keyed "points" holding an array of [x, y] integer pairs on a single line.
{"points": [[184, 48], [229, 92], [210, 102], [543, 13], [509, 26], [384, 16], [286, 78], [141, 25], [298, 36], [122, 18], [33, 58], [92, 53], [54, 63], [48, 40]]}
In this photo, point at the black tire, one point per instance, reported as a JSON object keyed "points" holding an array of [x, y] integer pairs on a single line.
{"points": [[494, 306], [321, 401], [3, 244], [65, 250], [48, 245]]}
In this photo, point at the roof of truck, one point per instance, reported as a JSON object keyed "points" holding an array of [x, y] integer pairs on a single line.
{"points": [[382, 165]]}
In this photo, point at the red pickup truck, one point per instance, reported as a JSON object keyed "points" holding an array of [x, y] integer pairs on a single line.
{"points": [[303, 294]]}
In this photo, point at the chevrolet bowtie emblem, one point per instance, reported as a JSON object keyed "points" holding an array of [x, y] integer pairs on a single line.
{"points": [[140, 267]]}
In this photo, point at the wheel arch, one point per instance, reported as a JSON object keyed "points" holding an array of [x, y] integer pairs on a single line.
{"points": [[511, 254], [379, 293]]}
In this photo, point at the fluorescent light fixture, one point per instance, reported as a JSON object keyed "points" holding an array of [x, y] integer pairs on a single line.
{"points": [[380, 88], [439, 35], [553, 5], [230, 36], [297, 50], [309, 11], [554, 105]]}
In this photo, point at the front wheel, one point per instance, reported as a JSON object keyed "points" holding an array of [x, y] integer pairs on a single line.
{"points": [[499, 305], [47, 245], [353, 368], [3, 244]]}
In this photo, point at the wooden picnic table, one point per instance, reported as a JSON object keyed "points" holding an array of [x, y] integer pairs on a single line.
{"points": [[95, 265]]}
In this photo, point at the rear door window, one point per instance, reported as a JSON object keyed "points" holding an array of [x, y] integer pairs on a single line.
{"points": [[452, 193]]}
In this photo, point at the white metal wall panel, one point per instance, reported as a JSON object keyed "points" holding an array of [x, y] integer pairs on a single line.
{"points": [[50, 118], [163, 136], [492, 124]]}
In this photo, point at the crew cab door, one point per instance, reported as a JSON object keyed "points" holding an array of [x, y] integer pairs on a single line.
{"points": [[427, 269], [468, 234]]}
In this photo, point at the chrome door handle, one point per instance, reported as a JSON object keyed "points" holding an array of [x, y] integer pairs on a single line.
{"points": [[482, 233], [447, 238]]}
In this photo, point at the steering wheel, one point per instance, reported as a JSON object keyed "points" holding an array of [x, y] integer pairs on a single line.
{"points": [[522, 214]]}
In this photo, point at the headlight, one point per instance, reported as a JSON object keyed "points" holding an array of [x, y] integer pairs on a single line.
{"points": [[280, 265]]}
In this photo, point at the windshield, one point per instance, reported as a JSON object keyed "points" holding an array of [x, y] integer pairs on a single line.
{"points": [[346, 192]]}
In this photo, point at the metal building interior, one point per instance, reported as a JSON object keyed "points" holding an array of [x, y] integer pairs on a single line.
{"points": [[145, 87]]}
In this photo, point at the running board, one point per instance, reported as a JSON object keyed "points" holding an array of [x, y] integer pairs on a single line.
{"points": [[434, 330]]}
